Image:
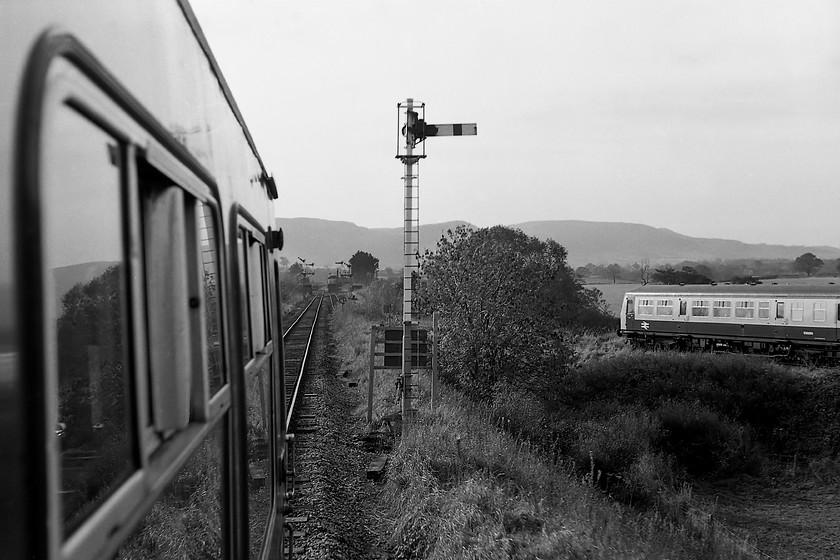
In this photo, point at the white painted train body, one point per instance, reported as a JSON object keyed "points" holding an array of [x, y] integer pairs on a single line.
{"points": [[766, 318], [141, 396]]}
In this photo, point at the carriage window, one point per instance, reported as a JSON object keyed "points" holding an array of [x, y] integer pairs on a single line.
{"points": [[797, 310], [245, 308], [257, 293], [212, 317], [700, 308], [645, 307], [780, 310], [87, 310], [664, 307], [185, 521], [763, 309], [819, 311], [722, 308], [745, 309]]}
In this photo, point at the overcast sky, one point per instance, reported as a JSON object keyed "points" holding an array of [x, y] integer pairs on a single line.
{"points": [[713, 119]]}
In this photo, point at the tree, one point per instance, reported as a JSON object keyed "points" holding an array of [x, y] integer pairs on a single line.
{"points": [[807, 263], [644, 271], [504, 301], [665, 275], [615, 271], [364, 267]]}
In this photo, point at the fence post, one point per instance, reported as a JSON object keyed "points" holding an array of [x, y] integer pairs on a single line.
{"points": [[435, 339]]}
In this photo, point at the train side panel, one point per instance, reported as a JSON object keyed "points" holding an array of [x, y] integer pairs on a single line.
{"points": [[769, 319], [132, 204]]}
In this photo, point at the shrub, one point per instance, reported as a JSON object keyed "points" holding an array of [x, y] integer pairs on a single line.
{"points": [[705, 443], [607, 448]]}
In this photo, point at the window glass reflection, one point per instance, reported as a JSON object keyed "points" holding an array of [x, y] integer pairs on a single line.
{"points": [[186, 522], [247, 351], [209, 260], [259, 463], [87, 301]]}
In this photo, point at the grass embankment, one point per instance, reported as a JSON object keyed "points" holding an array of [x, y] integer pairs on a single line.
{"points": [[604, 469]]}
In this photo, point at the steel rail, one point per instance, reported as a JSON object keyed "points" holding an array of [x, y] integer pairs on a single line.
{"points": [[299, 317], [304, 360]]}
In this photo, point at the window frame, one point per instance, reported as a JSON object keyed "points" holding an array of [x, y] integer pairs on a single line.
{"points": [[268, 357], [747, 308], [797, 310], [822, 310], [667, 306], [722, 305], [764, 306], [704, 304]]}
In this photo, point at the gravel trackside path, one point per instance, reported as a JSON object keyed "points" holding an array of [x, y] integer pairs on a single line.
{"points": [[344, 520]]}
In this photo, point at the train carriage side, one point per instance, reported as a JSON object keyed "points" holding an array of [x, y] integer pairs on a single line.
{"points": [[140, 343], [765, 318]]}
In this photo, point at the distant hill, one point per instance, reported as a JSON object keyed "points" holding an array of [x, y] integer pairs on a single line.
{"points": [[324, 242], [622, 243]]}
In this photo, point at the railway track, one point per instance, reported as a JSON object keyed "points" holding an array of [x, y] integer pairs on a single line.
{"points": [[297, 342], [300, 417]]}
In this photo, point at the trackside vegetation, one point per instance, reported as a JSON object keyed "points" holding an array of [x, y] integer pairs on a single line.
{"points": [[577, 446], [506, 302]]}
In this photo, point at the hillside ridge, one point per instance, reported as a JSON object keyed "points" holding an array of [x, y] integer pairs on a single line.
{"points": [[325, 242]]}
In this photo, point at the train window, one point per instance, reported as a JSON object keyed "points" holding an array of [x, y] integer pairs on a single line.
{"points": [[242, 251], [700, 308], [763, 309], [780, 310], [185, 521], [257, 291], [722, 308], [645, 307], [797, 310], [212, 311], [664, 307], [87, 305], [819, 311], [683, 307], [745, 309]]}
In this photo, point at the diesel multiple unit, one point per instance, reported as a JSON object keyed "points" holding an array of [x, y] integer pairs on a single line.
{"points": [[774, 319]]}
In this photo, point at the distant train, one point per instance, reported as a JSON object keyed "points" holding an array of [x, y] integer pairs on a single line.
{"points": [[777, 320], [141, 347]]}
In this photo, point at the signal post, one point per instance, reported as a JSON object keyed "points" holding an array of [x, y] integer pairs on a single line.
{"points": [[411, 123]]}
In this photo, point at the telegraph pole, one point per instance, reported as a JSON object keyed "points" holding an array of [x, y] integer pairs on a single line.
{"points": [[415, 131]]}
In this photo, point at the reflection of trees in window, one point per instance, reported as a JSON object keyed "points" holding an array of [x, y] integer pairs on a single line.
{"points": [[259, 467], [92, 378], [186, 522], [209, 261]]}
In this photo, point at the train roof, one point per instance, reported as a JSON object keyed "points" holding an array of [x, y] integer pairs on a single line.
{"points": [[773, 288]]}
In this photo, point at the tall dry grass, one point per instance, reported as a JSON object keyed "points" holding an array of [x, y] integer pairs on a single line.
{"points": [[461, 487]]}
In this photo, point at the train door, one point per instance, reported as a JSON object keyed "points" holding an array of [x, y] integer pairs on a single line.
{"points": [[683, 310], [261, 388]]}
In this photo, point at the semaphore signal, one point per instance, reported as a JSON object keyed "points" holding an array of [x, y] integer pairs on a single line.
{"points": [[411, 124]]}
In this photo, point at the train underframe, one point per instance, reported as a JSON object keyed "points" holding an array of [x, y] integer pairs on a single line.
{"points": [[798, 351]]}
